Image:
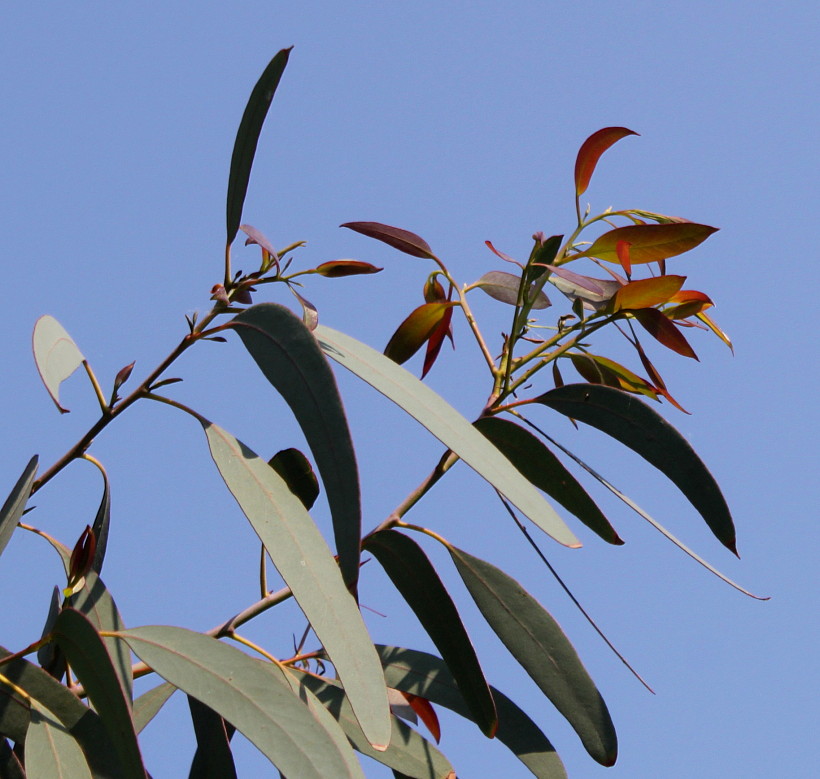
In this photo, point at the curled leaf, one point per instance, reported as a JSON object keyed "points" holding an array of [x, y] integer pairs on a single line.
{"points": [[415, 330], [55, 354], [403, 240], [337, 268], [443, 330], [590, 152], [503, 287], [257, 237]]}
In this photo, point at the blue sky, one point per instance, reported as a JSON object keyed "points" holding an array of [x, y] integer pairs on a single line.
{"points": [[459, 121]]}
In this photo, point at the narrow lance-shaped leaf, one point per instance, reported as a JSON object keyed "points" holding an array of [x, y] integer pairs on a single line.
{"points": [[247, 137], [426, 675], [55, 354], [443, 330], [213, 757], [15, 503], [403, 240], [590, 152], [337, 268], [409, 752], [418, 583], [634, 424], [290, 359], [257, 702], [88, 656], [644, 293], [446, 424], [415, 330], [601, 370], [537, 642], [148, 705], [660, 327], [649, 243], [100, 526], [50, 749], [302, 557], [543, 469]]}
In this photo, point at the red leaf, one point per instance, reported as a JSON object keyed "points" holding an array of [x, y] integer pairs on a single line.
{"points": [[591, 151], [505, 257], [256, 236], [661, 328], [414, 331], [82, 556], [622, 250], [650, 243], [427, 714], [437, 337], [647, 293], [403, 240], [655, 377], [337, 268], [433, 291]]}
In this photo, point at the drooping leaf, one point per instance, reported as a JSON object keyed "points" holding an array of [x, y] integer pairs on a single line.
{"points": [[297, 473], [415, 330], [634, 424], [51, 751], [403, 240], [257, 702], [338, 268], [87, 655], [543, 469], [94, 602], [601, 370], [622, 251], [426, 713], [15, 714], [148, 705], [663, 330], [288, 356], [48, 655], [418, 583], [655, 377], [304, 561], [55, 354], [711, 324], [644, 293], [650, 243], [426, 675], [433, 290], [539, 645], [503, 287], [100, 526], [213, 758], [247, 137], [310, 316], [409, 752], [10, 765], [15, 503], [436, 339], [446, 424], [590, 152], [83, 723], [257, 237]]}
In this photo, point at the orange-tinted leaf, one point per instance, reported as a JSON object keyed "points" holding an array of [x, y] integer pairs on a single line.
{"points": [[710, 323], [426, 712], [646, 293], [433, 291], [442, 331], [650, 243], [622, 250], [591, 151], [403, 240], [601, 370], [690, 302], [655, 377], [336, 268], [661, 328], [415, 330]]}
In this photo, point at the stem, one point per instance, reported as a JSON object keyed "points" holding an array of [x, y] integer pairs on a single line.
{"points": [[97, 389], [227, 282]]}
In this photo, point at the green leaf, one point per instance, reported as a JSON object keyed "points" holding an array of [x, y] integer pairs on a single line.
{"points": [[426, 675], [537, 642], [415, 330], [247, 137], [543, 469], [88, 656], [82, 722], [51, 751], [446, 424], [213, 758], [636, 425], [403, 240], [10, 765], [55, 354], [16, 502], [291, 361], [302, 557], [416, 579], [254, 700], [94, 601], [100, 526], [295, 470], [649, 243], [409, 752], [590, 152], [48, 655], [147, 706], [15, 714]]}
